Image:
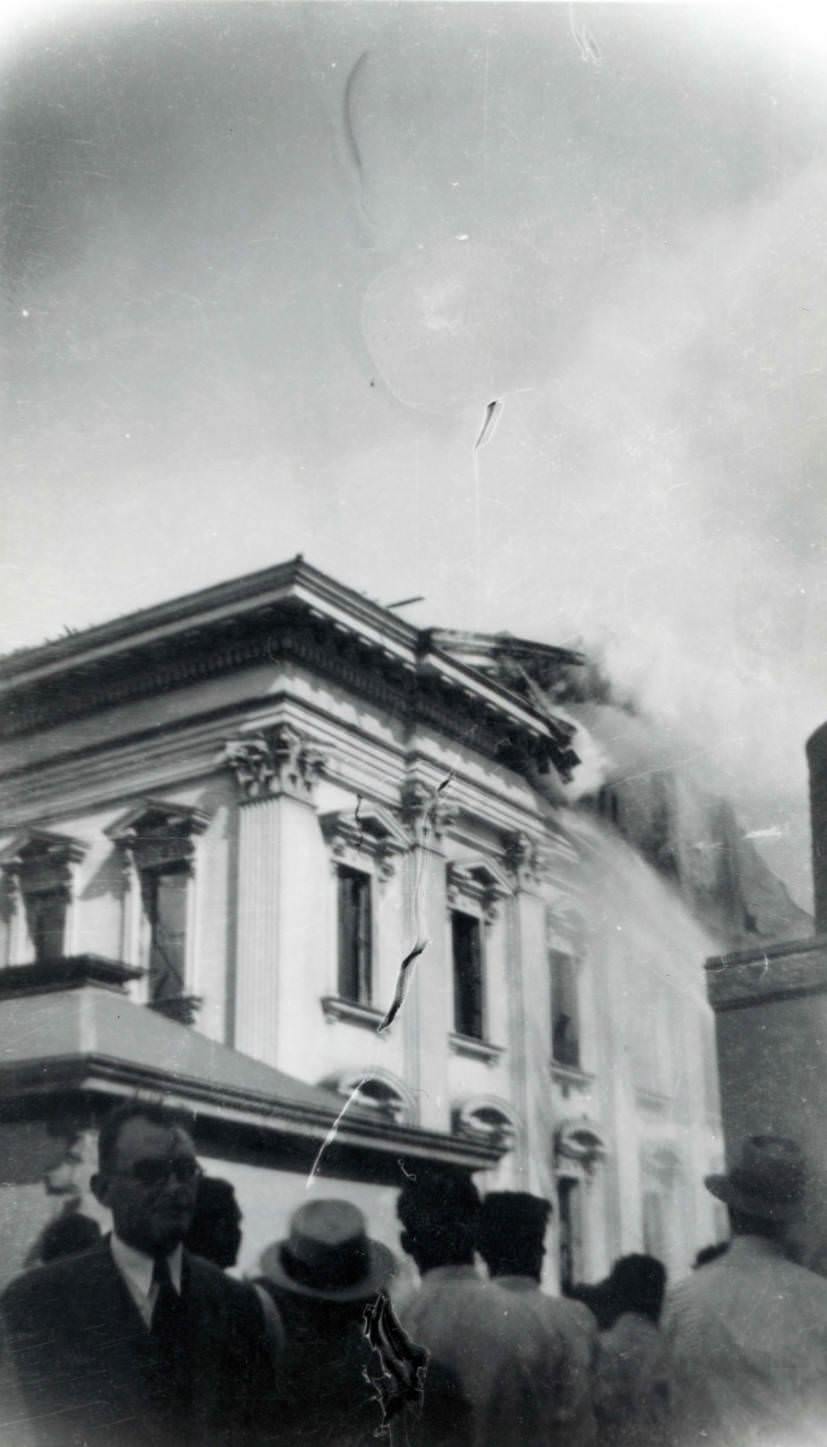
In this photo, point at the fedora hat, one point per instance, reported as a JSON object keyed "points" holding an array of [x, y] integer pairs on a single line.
{"points": [[768, 1181], [329, 1255]]}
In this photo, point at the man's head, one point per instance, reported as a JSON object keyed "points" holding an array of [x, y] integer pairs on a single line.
{"points": [[215, 1228], [438, 1210], [147, 1176], [764, 1190], [637, 1283], [511, 1234]]}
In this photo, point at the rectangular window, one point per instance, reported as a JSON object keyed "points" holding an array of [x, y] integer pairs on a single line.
{"points": [[565, 1009], [165, 906], [466, 934], [570, 1231], [46, 918], [654, 1231], [355, 936]]}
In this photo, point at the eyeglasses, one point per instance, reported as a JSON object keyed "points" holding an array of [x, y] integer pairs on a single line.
{"points": [[152, 1172]]}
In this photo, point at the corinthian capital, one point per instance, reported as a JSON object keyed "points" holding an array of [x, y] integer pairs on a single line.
{"points": [[276, 761], [525, 859], [426, 813]]}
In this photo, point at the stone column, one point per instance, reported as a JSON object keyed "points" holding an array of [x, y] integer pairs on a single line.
{"points": [[426, 1013], [529, 1008], [276, 772]]}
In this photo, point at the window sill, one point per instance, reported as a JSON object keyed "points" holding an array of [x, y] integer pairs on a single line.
{"points": [[476, 1049], [570, 1074], [655, 1100], [335, 1008]]}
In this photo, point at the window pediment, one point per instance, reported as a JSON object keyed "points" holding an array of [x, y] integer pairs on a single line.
{"points": [[41, 861], [580, 1141], [374, 1090], [155, 833], [485, 1118], [366, 833], [480, 881]]}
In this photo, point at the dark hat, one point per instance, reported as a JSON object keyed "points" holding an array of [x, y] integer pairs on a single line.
{"points": [[329, 1255], [512, 1213], [767, 1182]]}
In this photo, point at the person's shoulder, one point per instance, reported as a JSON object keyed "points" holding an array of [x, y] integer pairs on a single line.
{"points": [[57, 1281], [803, 1282]]}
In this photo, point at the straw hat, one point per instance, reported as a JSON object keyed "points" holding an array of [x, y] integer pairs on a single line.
{"points": [[329, 1255]]}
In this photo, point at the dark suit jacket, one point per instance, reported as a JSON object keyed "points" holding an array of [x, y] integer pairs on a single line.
{"points": [[91, 1375]]}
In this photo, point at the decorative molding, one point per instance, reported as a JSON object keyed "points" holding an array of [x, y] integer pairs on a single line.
{"points": [[374, 1090], [366, 833], [335, 1008], [526, 859], [480, 881], [579, 1142], [475, 1049], [403, 678], [426, 813], [758, 977], [155, 833], [275, 761], [485, 1118], [661, 1159], [41, 862]]}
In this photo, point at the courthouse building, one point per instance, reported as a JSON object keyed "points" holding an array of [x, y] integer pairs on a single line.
{"points": [[228, 820]]}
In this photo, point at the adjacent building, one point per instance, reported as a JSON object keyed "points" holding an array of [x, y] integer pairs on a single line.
{"points": [[771, 1015]]}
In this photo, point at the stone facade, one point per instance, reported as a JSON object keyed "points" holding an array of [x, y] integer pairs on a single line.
{"points": [[263, 799]]}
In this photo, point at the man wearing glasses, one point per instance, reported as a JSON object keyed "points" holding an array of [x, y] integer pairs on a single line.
{"points": [[136, 1343]]}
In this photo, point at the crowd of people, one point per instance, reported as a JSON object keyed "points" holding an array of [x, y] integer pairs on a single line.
{"points": [[141, 1338]]}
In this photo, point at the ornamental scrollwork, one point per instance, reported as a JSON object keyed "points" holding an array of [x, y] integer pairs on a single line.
{"points": [[275, 761]]}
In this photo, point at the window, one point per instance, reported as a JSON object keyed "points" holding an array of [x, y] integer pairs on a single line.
{"points": [[355, 935], [569, 1196], [46, 919], [466, 938], [40, 867], [654, 1233], [157, 838], [565, 1009], [164, 895]]}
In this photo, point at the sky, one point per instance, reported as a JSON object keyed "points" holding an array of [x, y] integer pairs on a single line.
{"points": [[266, 266]]}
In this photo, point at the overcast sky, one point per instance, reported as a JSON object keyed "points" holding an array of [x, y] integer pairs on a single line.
{"points": [[266, 265]]}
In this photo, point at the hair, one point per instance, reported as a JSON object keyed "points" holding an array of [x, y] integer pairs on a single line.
{"points": [[637, 1283], [113, 1124], [68, 1234], [743, 1224], [215, 1204], [511, 1232], [439, 1210]]}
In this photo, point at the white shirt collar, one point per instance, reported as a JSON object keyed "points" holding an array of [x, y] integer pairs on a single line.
{"points": [[136, 1267]]}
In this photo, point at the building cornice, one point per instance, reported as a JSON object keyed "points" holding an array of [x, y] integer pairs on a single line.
{"points": [[289, 614], [743, 978], [24, 1082]]}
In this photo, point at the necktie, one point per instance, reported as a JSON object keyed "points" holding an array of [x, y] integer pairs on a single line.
{"points": [[166, 1314]]}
